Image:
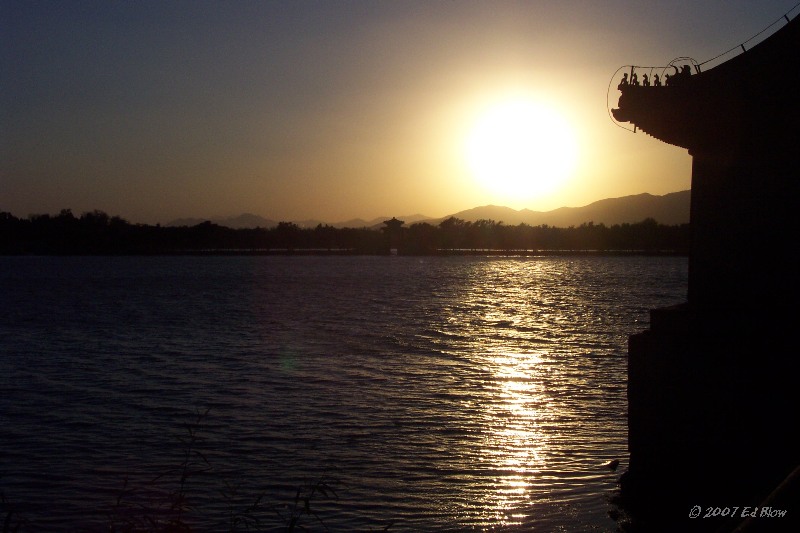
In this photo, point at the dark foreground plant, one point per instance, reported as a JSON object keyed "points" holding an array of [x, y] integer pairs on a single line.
{"points": [[12, 520], [148, 510], [248, 517], [145, 509], [162, 504], [292, 514]]}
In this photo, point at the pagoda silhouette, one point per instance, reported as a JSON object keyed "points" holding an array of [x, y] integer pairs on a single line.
{"points": [[713, 387], [393, 230]]}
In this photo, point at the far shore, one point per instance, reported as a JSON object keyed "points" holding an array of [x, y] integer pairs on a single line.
{"points": [[349, 252]]}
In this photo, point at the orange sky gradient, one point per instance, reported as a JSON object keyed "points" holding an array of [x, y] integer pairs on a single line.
{"points": [[327, 110]]}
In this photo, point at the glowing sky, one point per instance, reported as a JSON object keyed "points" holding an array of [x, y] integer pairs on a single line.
{"points": [[328, 110]]}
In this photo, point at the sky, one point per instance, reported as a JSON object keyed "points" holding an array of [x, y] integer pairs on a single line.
{"points": [[337, 109]]}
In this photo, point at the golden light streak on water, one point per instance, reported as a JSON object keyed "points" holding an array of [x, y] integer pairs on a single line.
{"points": [[516, 447]]}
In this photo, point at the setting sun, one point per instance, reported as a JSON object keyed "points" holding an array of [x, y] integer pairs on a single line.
{"points": [[519, 148]]}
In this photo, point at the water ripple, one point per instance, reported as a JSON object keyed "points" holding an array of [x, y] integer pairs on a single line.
{"points": [[440, 394]]}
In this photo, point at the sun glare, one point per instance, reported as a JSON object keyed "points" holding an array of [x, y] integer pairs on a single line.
{"points": [[519, 149]]}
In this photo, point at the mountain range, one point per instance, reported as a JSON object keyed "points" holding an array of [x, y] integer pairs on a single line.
{"points": [[670, 209]]}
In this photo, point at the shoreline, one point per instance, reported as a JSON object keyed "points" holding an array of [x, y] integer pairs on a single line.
{"points": [[350, 252]]}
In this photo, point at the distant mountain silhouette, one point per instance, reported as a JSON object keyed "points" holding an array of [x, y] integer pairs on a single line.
{"points": [[245, 220], [669, 209], [248, 220], [378, 222]]}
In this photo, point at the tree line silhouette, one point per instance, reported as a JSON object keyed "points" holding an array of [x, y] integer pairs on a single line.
{"points": [[96, 232]]}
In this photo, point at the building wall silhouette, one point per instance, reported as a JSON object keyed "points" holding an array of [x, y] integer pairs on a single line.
{"points": [[711, 381]]}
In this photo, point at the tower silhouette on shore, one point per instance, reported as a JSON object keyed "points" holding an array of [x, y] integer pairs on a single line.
{"points": [[393, 229]]}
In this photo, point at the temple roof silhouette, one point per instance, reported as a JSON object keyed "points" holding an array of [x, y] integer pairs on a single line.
{"points": [[739, 103], [706, 365]]}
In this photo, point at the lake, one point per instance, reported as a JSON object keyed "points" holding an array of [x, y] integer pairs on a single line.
{"points": [[418, 394]]}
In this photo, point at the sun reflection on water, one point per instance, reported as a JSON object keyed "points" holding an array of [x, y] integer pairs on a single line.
{"points": [[534, 342], [514, 442], [511, 322]]}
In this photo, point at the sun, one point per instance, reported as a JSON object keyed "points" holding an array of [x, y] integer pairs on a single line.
{"points": [[520, 149]]}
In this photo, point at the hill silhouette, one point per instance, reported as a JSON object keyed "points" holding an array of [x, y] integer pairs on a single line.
{"points": [[669, 209], [245, 220]]}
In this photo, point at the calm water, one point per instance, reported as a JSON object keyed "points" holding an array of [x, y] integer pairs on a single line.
{"points": [[433, 394]]}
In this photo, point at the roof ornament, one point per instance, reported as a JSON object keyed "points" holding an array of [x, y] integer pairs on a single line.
{"points": [[660, 76]]}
